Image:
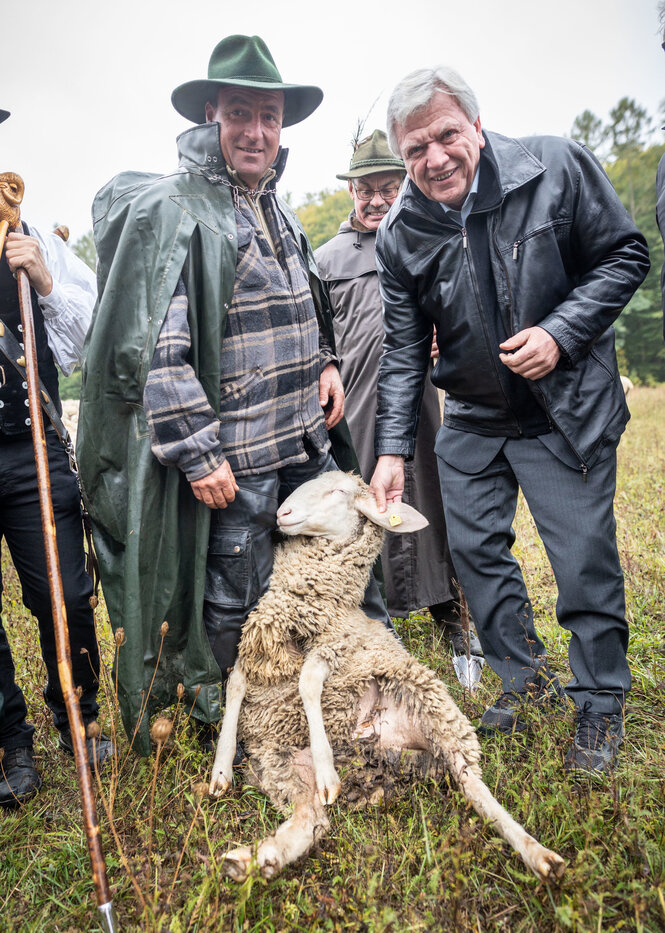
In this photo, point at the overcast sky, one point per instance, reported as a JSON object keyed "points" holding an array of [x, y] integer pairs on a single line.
{"points": [[89, 82]]}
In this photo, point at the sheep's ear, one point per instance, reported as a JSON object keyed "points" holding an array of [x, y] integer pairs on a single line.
{"points": [[398, 516]]}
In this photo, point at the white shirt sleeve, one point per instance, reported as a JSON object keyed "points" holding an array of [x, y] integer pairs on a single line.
{"points": [[68, 308]]}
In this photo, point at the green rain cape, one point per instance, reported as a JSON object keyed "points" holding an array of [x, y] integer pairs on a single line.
{"points": [[150, 533]]}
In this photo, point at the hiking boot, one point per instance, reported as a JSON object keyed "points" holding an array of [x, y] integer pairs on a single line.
{"points": [[457, 641], [505, 714], [596, 743], [447, 617], [99, 746], [19, 780]]}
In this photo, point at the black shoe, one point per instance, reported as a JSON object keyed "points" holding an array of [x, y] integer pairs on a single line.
{"points": [[19, 780], [100, 748], [596, 743], [505, 715], [447, 617], [457, 641], [207, 734]]}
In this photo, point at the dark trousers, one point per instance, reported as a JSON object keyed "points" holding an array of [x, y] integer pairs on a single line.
{"points": [[575, 519], [240, 555], [21, 527]]}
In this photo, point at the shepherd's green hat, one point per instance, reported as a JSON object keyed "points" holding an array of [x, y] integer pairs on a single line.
{"points": [[373, 154], [244, 61], [3, 115]]}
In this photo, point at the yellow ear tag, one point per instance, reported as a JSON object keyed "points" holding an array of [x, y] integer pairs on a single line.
{"points": [[394, 520]]}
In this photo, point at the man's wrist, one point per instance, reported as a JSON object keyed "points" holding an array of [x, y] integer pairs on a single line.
{"points": [[403, 449], [44, 288], [203, 465], [327, 357]]}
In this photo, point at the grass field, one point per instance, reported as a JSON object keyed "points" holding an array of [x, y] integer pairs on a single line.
{"points": [[421, 862]]}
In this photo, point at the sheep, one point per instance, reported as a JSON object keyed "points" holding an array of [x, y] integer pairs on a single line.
{"points": [[627, 385], [314, 674], [70, 417]]}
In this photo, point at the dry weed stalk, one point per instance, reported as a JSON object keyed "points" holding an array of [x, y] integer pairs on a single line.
{"points": [[146, 694], [161, 730]]}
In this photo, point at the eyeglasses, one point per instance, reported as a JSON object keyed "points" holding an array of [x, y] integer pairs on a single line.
{"points": [[388, 192]]}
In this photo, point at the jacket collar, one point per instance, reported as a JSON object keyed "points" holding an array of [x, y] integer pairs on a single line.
{"points": [[199, 151], [357, 225], [506, 164]]}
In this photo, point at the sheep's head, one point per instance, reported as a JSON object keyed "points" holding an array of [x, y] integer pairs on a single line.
{"points": [[331, 505]]}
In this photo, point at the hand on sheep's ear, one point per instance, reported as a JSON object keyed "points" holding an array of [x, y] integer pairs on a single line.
{"points": [[398, 516]]}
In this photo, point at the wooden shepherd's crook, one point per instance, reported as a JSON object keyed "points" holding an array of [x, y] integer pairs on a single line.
{"points": [[12, 194]]}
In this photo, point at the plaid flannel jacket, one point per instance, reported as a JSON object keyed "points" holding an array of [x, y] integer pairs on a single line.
{"points": [[271, 360]]}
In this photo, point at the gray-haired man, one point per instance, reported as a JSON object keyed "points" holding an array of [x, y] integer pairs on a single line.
{"points": [[521, 254]]}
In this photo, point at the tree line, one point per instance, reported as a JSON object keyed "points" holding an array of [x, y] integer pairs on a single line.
{"points": [[625, 147]]}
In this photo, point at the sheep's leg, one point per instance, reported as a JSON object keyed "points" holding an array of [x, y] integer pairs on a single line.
{"points": [[396, 728], [312, 677], [294, 838], [547, 865], [222, 769]]}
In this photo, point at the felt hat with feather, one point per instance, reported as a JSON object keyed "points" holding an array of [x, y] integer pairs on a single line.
{"points": [[372, 154]]}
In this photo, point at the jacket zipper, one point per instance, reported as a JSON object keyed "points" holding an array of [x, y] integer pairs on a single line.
{"points": [[551, 225], [584, 469], [465, 246], [583, 466]]}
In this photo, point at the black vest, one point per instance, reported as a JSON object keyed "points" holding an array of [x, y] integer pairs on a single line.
{"points": [[14, 414]]}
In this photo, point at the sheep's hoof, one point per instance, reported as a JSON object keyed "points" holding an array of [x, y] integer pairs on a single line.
{"points": [[328, 785], [270, 860], [329, 794], [237, 862], [219, 784], [547, 864]]}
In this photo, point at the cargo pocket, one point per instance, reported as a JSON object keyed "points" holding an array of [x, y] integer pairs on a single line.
{"points": [[230, 573]]}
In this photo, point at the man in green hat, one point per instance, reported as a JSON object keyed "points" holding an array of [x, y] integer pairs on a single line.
{"points": [[186, 450], [417, 568]]}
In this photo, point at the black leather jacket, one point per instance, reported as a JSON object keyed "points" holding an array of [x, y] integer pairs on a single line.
{"points": [[564, 255]]}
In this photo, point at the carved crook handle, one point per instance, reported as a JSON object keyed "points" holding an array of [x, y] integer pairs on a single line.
{"points": [[11, 195]]}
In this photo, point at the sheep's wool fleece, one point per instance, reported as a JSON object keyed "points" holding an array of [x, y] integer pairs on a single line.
{"points": [[303, 612]]}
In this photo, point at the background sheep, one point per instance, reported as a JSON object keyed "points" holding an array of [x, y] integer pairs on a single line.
{"points": [[314, 671], [627, 385], [70, 417]]}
